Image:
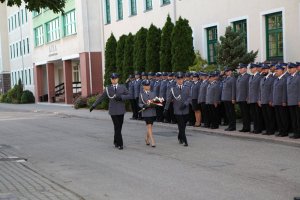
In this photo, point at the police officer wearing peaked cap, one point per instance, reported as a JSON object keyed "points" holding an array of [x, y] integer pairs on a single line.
{"points": [[180, 96], [117, 94]]}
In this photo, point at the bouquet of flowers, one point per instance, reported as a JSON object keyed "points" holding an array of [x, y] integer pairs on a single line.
{"points": [[157, 101]]}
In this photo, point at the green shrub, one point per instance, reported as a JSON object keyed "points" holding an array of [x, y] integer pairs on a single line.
{"points": [[80, 102], [27, 97], [102, 106]]}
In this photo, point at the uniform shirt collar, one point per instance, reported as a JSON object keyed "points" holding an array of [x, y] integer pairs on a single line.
{"points": [[281, 76], [268, 75]]}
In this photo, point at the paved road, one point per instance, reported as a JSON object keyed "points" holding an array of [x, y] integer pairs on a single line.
{"points": [[77, 153]]}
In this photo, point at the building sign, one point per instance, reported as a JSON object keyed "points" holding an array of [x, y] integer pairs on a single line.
{"points": [[52, 50]]}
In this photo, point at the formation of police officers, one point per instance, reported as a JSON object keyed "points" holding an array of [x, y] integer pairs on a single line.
{"points": [[268, 97]]}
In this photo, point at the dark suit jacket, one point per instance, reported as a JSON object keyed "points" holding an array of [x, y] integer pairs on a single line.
{"points": [[179, 98]]}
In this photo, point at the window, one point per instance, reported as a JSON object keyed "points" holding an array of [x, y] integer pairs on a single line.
{"points": [[241, 26], [148, 5], [28, 47], [8, 24], [22, 16], [76, 73], [133, 10], [24, 46], [53, 31], [107, 12], [17, 47], [39, 36], [19, 21], [14, 55], [29, 78], [274, 36], [69, 23], [15, 21], [26, 15], [165, 2], [120, 9], [212, 40], [25, 77], [35, 13], [21, 49]]}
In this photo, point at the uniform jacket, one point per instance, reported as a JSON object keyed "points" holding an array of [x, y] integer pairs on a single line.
{"points": [[137, 87], [195, 89], [163, 89], [228, 89], [254, 84], [266, 89], [131, 89], [202, 91], [279, 91], [156, 87], [242, 85], [293, 90], [170, 84], [213, 94], [115, 107], [144, 97], [179, 98]]}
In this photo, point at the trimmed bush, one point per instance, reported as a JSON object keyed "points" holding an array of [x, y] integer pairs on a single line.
{"points": [[80, 102], [102, 106], [27, 97]]}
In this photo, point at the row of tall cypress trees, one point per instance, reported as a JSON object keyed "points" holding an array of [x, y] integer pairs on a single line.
{"points": [[153, 49]]}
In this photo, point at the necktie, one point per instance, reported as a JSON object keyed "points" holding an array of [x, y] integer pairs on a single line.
{"points": [[115, 88]]}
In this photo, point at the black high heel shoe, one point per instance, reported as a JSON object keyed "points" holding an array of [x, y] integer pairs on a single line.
{"points": [[147, 142]]}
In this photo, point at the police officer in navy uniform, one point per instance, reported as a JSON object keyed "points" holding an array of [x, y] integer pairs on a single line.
{"points": [[228, 98], [194, 96], [279, 101], [265, 98], [253, 95], [137, 88], [117, 94], [180, 96], [130, 87], [156, 90], [202, 99], [163, 94], [170, 117], [293, 99], [151, 78], [148, 111], [188, 83], [242, 85], [213, 99]]}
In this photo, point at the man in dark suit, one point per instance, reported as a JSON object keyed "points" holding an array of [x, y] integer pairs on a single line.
{"points": [[242, 88], [117, 94], [293, 99], [213, 99], [202, 99], [253, 94], [265, 96], [180, 96], [279, 101], [228, 98]]}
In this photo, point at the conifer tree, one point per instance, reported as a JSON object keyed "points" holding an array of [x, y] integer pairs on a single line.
{"points": [[110, 58], [128, 57], [152, 51], [165, 46], [139, 52]]}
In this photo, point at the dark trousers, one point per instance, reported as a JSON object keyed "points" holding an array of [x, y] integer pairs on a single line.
{"points": [[256, 116], [213, 116], [118, 123], [269, 118], [298, 120], [181, 122], [294, 116], [170, 117], [192, 118], [281, 113], [230, 113], [159, 113], [222, 114], [205, 114], [133, 108], [137, 107], [244, 107]]}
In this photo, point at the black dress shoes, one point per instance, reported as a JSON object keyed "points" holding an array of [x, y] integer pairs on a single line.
{"points": [[244, 130], [185, 144], [120, 147], [230, 129], [180, 141]]}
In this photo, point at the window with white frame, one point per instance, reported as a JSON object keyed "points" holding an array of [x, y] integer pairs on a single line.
{"points": [[69, 23], [39, 35], [53, 30]]}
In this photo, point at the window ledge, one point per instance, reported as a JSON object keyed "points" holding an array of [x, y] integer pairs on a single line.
{"points": [[119, 20], [132, 15], [165, 4], [148, 10]]}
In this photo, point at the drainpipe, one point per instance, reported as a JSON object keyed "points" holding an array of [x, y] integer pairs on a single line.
{"points": [[22, 53]]}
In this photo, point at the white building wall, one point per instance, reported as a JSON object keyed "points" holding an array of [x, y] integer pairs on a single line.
{"points": [[21, 64], [206, 13], [4, 54]]}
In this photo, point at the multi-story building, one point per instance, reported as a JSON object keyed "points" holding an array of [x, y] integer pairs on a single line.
{"points": [[272, 26], [20, 46], [4, 54], [67, 53]]}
